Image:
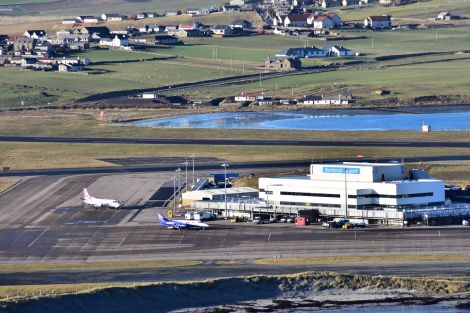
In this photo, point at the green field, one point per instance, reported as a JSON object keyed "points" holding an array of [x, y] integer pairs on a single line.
{"points": [[420, 8]]}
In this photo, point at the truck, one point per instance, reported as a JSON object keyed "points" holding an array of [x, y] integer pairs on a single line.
{"points": [[204, 216], [189, 216]]}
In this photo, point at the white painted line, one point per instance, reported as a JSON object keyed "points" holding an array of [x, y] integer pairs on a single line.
{"points": [[37, 238]]}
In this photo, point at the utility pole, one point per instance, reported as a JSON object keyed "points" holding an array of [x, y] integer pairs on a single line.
{"points": [[178, 170]]}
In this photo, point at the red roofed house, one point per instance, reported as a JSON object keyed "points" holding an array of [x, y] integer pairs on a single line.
{"points": [[249, 96], [323, 22]]}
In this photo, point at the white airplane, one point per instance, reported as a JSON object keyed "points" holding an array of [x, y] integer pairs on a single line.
{"points": [[98, 203], [180, 224]]}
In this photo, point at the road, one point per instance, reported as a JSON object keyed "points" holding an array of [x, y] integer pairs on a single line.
{"points": [[242, 142]]}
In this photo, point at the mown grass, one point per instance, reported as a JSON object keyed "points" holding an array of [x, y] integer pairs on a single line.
{"points": [[110, 265], [367, 259], [63, 155], [6, 183]]}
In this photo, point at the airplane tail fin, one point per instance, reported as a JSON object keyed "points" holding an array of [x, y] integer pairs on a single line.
{"points": [[86, 195]]}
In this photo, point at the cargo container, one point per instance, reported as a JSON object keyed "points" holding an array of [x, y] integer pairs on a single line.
{"points": [[302, 221]]}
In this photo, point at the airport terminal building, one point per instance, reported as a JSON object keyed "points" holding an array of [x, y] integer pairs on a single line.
{"points": [[350, 187]]}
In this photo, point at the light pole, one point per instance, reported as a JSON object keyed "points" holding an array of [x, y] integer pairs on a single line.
{"points": [[178, 170], [225, 165], [193, 156], [186, 163], [345, 170], [174, 197]]}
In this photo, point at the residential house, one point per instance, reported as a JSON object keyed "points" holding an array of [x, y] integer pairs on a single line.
{"points": [[335, 18], [296, 20], [190, 33], [153, 14], [338, 51], [70, 21], [4, 39], [141, 16], [250, 97], [317, 100], [70, 67], [446, 16], [95, 33], [240, 23], [346, 3], [118, 41], [323, 22], [38, 34], [308, 52], [231, 8], [24, 44], [83, 62], [378, 22], [87, 19], [331, 3], [113, 17], [311, 100], [43, 49], [194, 11], [166, 40], [128, 31], [237, 2], [222, 30], [173, 13], [282, 63]]}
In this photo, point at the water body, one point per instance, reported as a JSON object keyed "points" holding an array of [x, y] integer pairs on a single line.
{"points": [[390, 308], [360, 120]]}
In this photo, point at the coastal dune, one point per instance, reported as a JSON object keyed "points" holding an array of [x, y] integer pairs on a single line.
{"points": [[309, 289]]}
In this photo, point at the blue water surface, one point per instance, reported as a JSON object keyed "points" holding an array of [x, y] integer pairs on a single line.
{"points": [[311, 121]]}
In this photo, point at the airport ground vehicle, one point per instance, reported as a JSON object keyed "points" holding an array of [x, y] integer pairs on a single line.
{"points": [[330, 224], [204, 216], [348, 226]]}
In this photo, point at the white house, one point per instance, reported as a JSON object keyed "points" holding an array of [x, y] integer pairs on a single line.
{"points": [[338, 51], [323, 22], [244, 97], [378, 22], [112, 17], [38, 34], [70, 21], [116, 42]]}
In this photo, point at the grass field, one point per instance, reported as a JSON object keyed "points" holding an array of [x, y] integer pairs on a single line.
{"points": [[420, 8], [62, 155], [6, 183]]}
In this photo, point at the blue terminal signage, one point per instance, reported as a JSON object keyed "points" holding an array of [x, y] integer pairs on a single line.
{"points": [[341, 170]]}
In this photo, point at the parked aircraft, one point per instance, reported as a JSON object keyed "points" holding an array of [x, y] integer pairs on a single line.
{"points": [[180, 224], [98, 203]]}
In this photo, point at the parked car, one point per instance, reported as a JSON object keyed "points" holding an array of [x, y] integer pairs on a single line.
{"points": [[283, 219], [330, 224], [290, 220]]}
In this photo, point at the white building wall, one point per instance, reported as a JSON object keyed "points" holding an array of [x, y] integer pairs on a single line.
{"points": [[316, 191]]}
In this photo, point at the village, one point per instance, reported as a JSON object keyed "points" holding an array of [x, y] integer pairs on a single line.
{"points": [[38, 50]]}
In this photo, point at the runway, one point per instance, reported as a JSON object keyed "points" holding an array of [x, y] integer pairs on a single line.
{"points": [[241, 142], [206, 166]]}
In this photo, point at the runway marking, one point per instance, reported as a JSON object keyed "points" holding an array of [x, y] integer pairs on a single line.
{"points": [[269, 236], [120, 243], [37, 238], [181, 240]]}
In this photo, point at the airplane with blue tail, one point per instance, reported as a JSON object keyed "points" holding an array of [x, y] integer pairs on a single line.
{"points": [[180, 224]]}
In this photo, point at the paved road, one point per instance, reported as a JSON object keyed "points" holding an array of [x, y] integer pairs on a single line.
{"points": [[242, 142]]}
